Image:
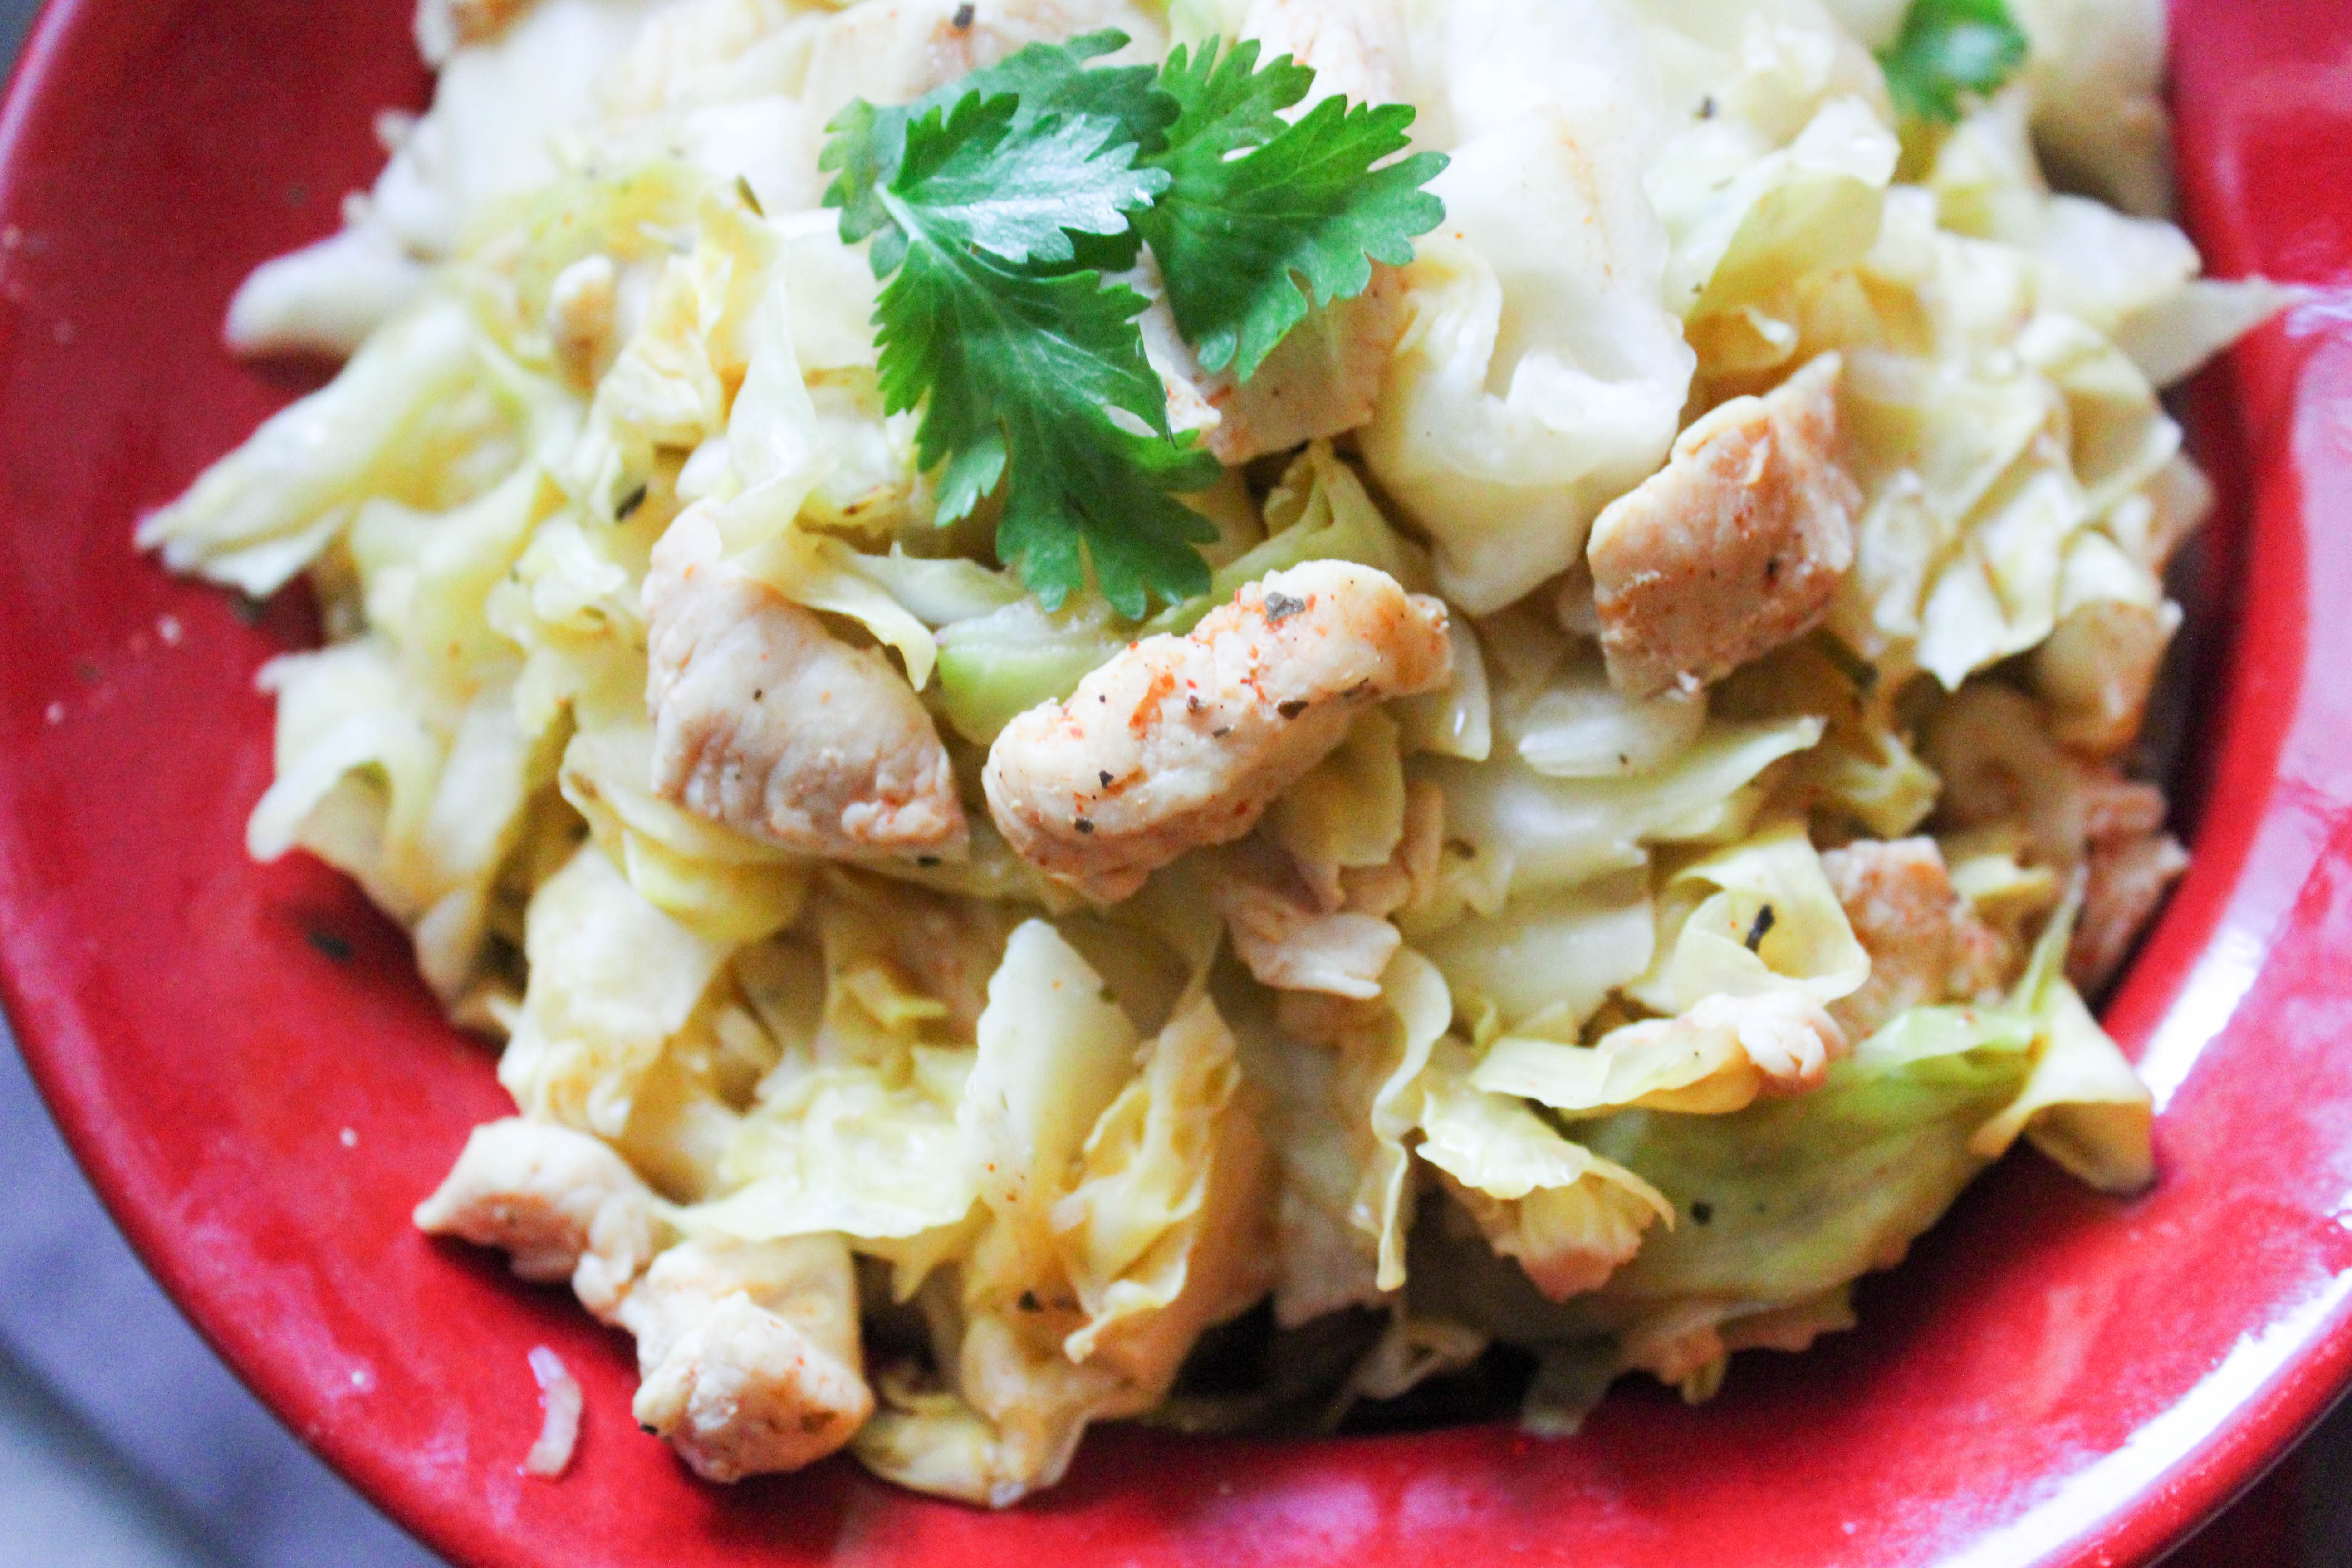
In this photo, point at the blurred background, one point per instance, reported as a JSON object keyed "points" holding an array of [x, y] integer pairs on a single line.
{"points": [[125, 1444]]}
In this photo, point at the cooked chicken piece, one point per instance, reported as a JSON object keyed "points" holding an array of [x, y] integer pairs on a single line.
{"points": [[749, 1354], [1925, 944], [766, 722], [1736, 547], [560, 1202], [1181, 742], [1292, 944], [2127, 878], [1320, 380]]}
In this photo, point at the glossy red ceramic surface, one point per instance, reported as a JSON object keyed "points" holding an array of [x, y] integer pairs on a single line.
{"points": [[261, 1090]]}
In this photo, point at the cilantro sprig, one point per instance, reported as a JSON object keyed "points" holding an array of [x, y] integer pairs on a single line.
{"points": [[995, 206], [1950, 50], [1245, 243], [1024, 365]]}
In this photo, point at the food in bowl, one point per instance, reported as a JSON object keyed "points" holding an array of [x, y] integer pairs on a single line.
{"points": [[1179, 714]]}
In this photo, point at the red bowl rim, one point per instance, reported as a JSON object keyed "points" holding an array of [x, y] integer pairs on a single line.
{"points": [[2268, 387]]}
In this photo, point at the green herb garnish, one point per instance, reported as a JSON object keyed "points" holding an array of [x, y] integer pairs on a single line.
{"points": [[995, 206], [1948, 50], [1243, 242]]}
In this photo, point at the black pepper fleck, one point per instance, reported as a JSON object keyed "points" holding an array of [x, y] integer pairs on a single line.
{"points": [[926, 861], [1083, 825], [629, 504], [963, 14], [1765, 921], [1707, 106], [1701, 1212], [329, 945], [1029, 1302], [1106, 779], [1221, 734], [1772, 569], [1292, 709], [1280, 607]]}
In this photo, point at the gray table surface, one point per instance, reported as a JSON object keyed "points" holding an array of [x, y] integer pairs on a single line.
{"points": [[124, 1443]]}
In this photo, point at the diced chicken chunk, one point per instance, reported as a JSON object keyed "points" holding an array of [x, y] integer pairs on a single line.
{"points": [[1736, 547], [1181, 742], [749, 1354], [1320, 380], [2128, 878], [561, 1203], [1925, 944], [769, 724], [1293, 944]]}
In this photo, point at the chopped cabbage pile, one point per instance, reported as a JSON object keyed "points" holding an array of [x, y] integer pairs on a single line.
{"points": [[1791, 482]]}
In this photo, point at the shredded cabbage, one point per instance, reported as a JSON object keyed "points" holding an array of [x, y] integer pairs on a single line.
{"points": [[1510, 1019]]}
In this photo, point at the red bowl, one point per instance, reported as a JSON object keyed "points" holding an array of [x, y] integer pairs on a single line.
{"points": [[260, 1087]]}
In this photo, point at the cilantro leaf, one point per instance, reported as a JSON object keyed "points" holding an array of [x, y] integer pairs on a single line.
{"points": [[868, 142], [1019, 371], [1266, 217], [1223, 105], [1055, 79], [994, 205], [984, 175], [1948, 48]]}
